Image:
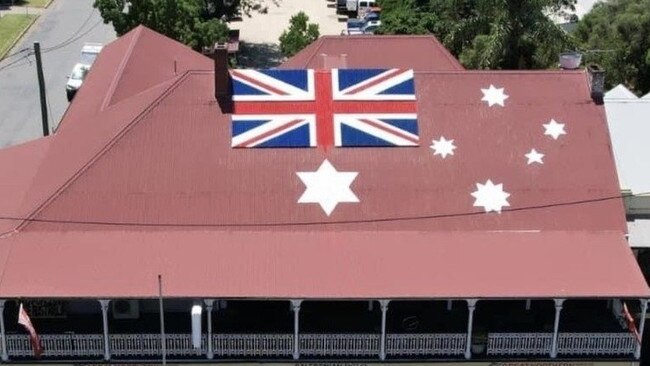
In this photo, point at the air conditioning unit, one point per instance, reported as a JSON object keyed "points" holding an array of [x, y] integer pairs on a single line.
{"points": [[126, 309]]}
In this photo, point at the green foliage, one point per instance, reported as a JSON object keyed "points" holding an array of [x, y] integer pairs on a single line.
{"points": [[616, 35], [186, 21], [299, 35], [498, 34]]}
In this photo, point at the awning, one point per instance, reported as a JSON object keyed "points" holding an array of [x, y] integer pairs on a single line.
{"points": [[332, 265]]}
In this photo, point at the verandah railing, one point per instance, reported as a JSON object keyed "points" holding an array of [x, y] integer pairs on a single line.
{"points": [[348, 345], [253, 345], [261, 346], [596, 343], [569, 344], [425, 344], [506, 344]]}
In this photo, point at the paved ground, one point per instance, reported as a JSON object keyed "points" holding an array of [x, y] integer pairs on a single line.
{"points": [[260, 32], [61, 29]]}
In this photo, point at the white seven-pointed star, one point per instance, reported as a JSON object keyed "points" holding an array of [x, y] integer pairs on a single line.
{"points": [[554, 129], [327, 187], [534, 157], [443, 147], [491, 196], [494, 96]]}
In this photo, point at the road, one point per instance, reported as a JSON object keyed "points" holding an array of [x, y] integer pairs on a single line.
{"points": [[61, 30]]}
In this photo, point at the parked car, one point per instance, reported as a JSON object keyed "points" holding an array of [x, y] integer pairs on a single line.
{"points": [[359, 23], [89, 53], [76, 78], [341, 6], [359, 6], [368, 28]]}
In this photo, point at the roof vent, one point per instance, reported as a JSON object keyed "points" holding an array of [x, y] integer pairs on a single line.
{"points": [[597, 82], [570, 60]]}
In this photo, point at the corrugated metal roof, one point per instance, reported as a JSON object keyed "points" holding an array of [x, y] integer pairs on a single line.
{"points": [[629, 127], [160, 156], [345, 265], [420, 53]]}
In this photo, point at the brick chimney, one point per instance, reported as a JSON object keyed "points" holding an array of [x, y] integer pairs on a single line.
{"points": [[334, 61], [597, 82], [222, 81]]}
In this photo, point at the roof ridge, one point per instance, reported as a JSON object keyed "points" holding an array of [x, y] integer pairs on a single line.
{"points": [[118, 75], [121, 133], [531, 72], [446, 52], [318, 46]]}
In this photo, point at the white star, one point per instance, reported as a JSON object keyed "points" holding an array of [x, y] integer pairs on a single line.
{"points": [[534, 157], [554, 129], [443, 147], [494, 96], [492, 197], [327, 187]]}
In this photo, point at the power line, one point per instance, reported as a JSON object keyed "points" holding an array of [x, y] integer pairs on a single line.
{"points": [[17, 53], [76, 32], [311, 223], [12, 64]]}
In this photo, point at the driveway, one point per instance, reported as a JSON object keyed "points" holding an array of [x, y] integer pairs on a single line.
{"points": [[260, 33], [62, 30]]}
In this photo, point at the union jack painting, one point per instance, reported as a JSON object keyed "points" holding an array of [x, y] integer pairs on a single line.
{"points": [[307, 108]]}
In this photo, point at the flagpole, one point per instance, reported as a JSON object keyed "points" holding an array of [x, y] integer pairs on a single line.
{"points": [[162, 323]]}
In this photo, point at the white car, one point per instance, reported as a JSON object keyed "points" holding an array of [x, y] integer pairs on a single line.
{"points": [[368, 27], [76, 78]]}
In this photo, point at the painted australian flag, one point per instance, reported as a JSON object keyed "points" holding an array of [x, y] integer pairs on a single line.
{"points": [[308, 108]]}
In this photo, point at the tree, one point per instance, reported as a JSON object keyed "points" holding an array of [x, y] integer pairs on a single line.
{"points": [[616, 35], [498, 34], [299, 35], [183, 20]]}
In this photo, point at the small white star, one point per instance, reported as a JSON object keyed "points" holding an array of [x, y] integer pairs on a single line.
{"points": [[494, 96], [327, 187], [492, 197], [554, 129], [443, 147], [534, 157]]}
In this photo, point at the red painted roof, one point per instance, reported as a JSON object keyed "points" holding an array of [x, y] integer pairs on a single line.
{"points": [[302, 264], [420, 53], [140, 160]]}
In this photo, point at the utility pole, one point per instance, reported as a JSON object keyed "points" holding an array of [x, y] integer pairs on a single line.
{"points": [[41, 88]]}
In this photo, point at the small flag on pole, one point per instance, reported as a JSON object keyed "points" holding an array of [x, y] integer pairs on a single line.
{"points": [[23, 319], [630, 323]]}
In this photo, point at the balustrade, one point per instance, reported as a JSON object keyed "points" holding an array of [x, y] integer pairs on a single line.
{"points": [[584, 344], [57, 345], [501, 344], [253, 345], [351, 345], [425, 344], [260, 346], [149, 345]]}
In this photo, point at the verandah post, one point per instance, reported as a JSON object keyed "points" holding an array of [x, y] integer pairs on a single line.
{"points": [[382, 344], [209, 304], [471, 306], [556, 326], [295, 306], [104, 306], [5, 355]]}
